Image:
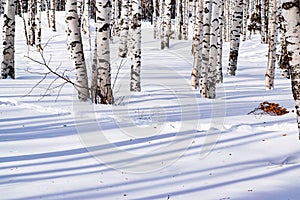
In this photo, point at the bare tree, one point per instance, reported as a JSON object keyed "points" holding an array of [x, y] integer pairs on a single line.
{"points": [[102, 74], [8, 37], [76, 49], [290, 12], [135, 81]]}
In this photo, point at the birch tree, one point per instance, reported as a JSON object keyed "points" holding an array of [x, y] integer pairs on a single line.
{"points": [[263, 22], [245, 18], [270, 73], [38, 24], [103, 92], [235, 37], [179, 19], [220, 44], [31, 21], [213, 51], [8, 40], [197, 46], [52, 15], [290, 12], [205, 47], [185, 20], [76, 49], [166, 25], [154, 19], [85, 24], [124, 27], [135, 81]]}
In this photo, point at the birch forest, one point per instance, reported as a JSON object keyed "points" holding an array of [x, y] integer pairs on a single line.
{"points": [[150, 99]]}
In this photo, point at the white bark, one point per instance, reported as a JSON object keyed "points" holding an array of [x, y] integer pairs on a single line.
{"points": [[197, 46], [76, 49], [124, 27], [235, 37], [166, 25], [220, 44], [103, 92], [31, 21], [85, 24], [179, 19], [263, 22], [52, 15], [154, 19], [290, 12], [213, 52], [135, 81], [207, 6], [245, 18], [185, 24], [38, 24], [8, 41], [270, 73]]}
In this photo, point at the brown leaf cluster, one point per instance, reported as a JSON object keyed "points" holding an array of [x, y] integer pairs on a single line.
{"points": [[272, 108]]}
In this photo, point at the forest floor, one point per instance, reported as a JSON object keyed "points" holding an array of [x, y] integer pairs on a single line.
{"points": [[163, 143]]}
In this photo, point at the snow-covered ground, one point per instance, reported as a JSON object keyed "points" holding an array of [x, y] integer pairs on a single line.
{"points": [[163, 143]]}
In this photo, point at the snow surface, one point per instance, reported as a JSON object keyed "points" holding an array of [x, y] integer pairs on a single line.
{"points": [[163, 143]]}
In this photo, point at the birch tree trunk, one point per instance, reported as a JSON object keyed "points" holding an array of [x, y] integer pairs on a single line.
{"points": [[79, 9], [104, 93], [166, 25], [290, 12], [220, 44], [76, 49], [270, 73], [24, 22], [48, 8], [52, 15], [31, 21], [8, 40], [38, 25], [207, 6], [263, 22], [235, 37], [185, 24], [197, 46], [245, 19], [154, 19], [179, 19], [85, 24], [124, 27], [135, 81], [213, 50]]}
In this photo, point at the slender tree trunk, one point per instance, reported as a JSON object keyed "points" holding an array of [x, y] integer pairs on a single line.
{"points": [[220, 44], [8, 40], [154, 19], [85, 24], [135, 82], [245, 18], [24, 23], [104, 93], [290, 12], [76, 50], [270, 73], [124, 27], [206, 47], [48, 8], [79, 9], [197, 46], [235, 37], [263, 22], [185, 25], [38, 25], [52, 15], [213, 50], [179, 19], [31, 21], [166, 25]]}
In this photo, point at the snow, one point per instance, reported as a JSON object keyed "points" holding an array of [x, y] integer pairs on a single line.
{"points": [[163, 143]]}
